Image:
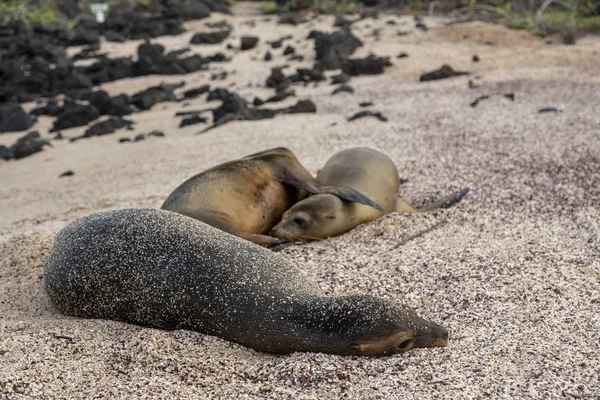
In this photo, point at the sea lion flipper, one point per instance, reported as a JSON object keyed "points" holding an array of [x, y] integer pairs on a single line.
{"points": [[447, 201], [313, 186], [349, 194], [262, 240], [283, 245]]}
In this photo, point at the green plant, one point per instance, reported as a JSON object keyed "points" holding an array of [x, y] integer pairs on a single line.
{"points": [[45, 15], [145, 3], [350, 7], [520, 24], [270, 8]]}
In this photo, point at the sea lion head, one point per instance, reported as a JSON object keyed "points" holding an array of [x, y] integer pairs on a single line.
{"points": [[369, 326], [317, 217]]}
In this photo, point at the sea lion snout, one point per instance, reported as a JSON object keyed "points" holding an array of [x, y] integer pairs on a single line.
{"points": [[431, 335]]}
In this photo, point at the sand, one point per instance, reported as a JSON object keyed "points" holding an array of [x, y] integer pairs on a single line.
{"points": [[513, 271]]}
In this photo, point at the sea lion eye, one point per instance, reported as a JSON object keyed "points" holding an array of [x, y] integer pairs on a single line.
{"points": [[301, 222], [404, 345]]}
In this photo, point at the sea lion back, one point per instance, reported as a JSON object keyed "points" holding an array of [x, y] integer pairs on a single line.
{"points": [[162, 269]]}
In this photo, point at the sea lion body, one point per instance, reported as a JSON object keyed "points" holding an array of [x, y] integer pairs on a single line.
{"points": [[161, 269], [247, 197], [369, 172]]}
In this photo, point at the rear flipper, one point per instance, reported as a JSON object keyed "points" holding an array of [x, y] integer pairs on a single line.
{"points": [[446, 202]]}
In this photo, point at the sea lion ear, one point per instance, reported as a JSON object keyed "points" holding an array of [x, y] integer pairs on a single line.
{"points": [[342, 192]]}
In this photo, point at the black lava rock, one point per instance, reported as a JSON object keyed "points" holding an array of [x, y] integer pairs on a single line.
{"points": [[66, 173], [76, 81], [248, 42], [476, 58], [51, 109], [277, 79], [334, 48], [289, 50], [144, 100], [341, 78], [268, 56], [275, 44], [156, 133], [421, 26], [370, 65], [341, 22], [444, 72], [5, 153], [195, 92], [107, 127], [310, 75], [279, 96], [24, 146], [75, 115], [477, 100], [234, 108], [363, 114], [210, 37], [153, 51], [193, 120], [13, 118], [343, 89], [106, 105], [303, 106], [548, 110]]}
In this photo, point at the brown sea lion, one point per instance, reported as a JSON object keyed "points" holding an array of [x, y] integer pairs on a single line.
{"points": [[247, 197], [165, 270], [368, 171]]}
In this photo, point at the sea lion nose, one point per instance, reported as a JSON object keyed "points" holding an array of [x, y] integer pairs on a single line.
{"points": [[443, 337], [439, 337], [432, 335]]}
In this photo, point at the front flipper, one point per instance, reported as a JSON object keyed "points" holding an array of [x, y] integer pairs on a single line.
{"points": [[311, 185], [262, 240], [447, 201], [283, 245]]}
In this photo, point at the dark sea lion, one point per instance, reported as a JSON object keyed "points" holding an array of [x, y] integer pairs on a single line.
{"points": [[247, 197], [371, 173], [161, 269]]}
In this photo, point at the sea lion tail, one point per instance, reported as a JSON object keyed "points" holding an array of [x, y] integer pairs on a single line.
{"points": [[447, 201]]}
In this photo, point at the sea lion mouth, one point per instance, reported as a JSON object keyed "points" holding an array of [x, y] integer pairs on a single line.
{"points": [[285, 235], [438, 338]]}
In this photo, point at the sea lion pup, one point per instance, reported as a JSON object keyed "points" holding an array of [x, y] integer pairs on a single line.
{"points": [[368, 171], [247, 197], [161, 269]]}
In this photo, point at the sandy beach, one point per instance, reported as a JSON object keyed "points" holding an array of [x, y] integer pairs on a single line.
{"points": [[513, 271]]}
